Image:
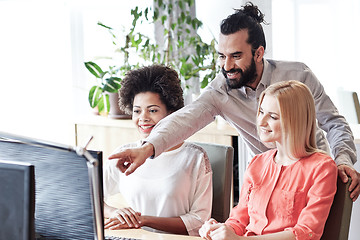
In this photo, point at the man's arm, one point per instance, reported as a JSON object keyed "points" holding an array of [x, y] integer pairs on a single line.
{"points": [[338, 131], [338, 134], [180, 125]]}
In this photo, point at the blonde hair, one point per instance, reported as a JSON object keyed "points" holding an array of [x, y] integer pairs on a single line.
{"points": [[297, 116]]}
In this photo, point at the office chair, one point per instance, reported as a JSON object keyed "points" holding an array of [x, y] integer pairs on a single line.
{"points": [[338, 223], [221, 160]]}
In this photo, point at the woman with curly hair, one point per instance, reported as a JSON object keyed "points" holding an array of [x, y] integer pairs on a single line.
{"points": [[172, 193]]}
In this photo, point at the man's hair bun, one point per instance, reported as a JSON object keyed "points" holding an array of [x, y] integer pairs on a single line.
{"points": [[253, 11]]}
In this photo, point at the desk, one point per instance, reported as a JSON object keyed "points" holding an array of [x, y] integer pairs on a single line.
{"points": [[143, 234], [118, 201]]}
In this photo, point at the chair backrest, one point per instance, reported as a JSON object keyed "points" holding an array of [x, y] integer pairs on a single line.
{"points": [[221, 159], [338, 222]]}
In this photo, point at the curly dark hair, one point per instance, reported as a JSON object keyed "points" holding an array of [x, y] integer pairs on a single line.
{"points": [[158, 79], [248, 17]]}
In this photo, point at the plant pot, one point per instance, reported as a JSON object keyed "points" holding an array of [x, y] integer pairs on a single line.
{"points": [[115, 111]]}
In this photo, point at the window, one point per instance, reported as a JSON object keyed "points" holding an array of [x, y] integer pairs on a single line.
{"points": [[43, 46]]}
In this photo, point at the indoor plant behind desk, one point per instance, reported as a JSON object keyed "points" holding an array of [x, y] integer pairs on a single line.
{"points": [[105, 94], [178, 46]]}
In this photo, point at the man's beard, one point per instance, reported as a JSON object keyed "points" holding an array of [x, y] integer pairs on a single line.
{"points": [[247, 77]]}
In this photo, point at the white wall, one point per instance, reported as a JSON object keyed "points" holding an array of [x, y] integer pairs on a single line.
{"points": [[35, 66], [324, 35], [43, 46]]}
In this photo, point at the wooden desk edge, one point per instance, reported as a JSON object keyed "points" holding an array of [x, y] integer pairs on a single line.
{"points": [[143, 234]]}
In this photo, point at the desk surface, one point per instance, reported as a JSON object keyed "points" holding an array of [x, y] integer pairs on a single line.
{"points": [[118, 201], [143, 234]]}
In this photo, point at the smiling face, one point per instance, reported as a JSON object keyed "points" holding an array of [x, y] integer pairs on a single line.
{"points": [[268, 121], [148, 110], [237, 61]]}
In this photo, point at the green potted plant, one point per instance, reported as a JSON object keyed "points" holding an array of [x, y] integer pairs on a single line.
{"points": [[104, 94], [179, 33], [107, 85]]}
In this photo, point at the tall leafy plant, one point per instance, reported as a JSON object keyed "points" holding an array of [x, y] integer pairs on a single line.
{"points": [[109, 81], [180, 47]]}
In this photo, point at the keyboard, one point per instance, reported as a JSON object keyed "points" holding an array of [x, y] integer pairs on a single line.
{"points": [[119, 238]]}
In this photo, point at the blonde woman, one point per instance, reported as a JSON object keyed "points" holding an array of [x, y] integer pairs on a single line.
{"points": [[287, 191]]}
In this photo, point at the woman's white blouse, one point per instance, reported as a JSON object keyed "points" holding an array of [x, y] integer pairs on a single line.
{"points": [[176, 183]]}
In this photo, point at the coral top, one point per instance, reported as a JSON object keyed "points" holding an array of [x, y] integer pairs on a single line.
{"points": [[275, 198]]}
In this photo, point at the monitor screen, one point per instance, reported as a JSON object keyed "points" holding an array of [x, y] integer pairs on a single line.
{"points": [[17, 189], [63, 202]]}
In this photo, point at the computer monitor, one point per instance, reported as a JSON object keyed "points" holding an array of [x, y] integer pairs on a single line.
{"points": [[68, 187], [17, 203]]}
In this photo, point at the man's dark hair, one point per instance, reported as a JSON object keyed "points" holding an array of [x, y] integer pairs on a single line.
{"points": [[247, 17], [156, 79]]}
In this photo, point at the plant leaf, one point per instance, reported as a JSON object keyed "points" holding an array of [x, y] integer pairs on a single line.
{"points": [[112, 84], [103, 25], [156, 14], [146, 12], [205, 81], [104, 104], [94, 69], [95, 96], [163, 19], [181, 5]]}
